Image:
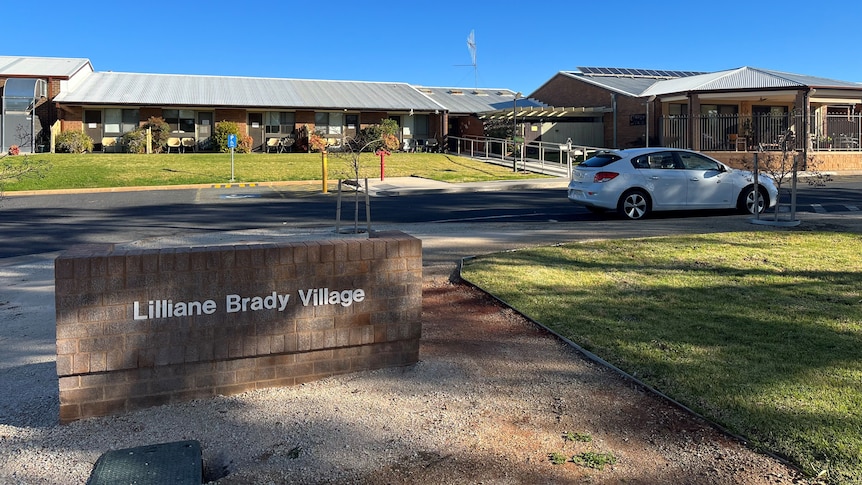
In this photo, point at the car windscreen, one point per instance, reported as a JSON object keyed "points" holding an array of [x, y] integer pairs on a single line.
{"points": [[600, 160]]}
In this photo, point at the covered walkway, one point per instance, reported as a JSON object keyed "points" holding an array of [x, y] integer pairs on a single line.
{"points": [[19, 124]]}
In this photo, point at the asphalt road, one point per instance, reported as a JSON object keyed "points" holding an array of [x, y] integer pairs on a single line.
{"points": [[47, 223]]}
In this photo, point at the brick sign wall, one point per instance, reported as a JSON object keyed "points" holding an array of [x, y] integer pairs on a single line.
{"points": [[138, 328]]}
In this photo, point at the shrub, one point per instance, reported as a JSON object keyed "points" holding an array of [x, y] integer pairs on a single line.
{"points": [[244, 143], [222, 130], [160, 130], [317, 142], [136, 141], [74, 142]]}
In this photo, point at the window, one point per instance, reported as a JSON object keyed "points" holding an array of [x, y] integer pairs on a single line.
{"points": [[352, 122], [694, 161], [119, 121], [180, 119], [677, 109], [328, 123], [718, 109], [420, 126], [658, 160], [279, 122], [600, 160], [92, 117]]}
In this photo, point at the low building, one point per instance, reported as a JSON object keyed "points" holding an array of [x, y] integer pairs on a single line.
{"points": [[106, 105], [725, 112], [27, 86]]}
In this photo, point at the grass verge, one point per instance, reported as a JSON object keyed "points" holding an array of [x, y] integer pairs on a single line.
{"points": [[759, 332], [100, 170]]}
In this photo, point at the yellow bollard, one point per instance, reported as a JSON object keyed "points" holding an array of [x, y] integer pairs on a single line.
{"points": [[323, 166]]}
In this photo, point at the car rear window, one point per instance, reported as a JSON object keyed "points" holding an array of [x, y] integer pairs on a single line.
{"points": [[600, 160]]}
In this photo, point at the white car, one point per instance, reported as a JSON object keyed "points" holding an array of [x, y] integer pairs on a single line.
{"points": [[637, 181]]}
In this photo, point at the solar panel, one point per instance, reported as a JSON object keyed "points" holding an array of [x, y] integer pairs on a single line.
{"points": [[646, 73]]}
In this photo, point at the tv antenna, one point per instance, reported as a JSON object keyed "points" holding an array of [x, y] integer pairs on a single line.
{"points": [[471, 46]]}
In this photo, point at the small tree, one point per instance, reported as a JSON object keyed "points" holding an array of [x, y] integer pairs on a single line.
{"points": [[375, 137], [783, 166], [816, 178], [352, 154], [160, 131], [21, 168]]}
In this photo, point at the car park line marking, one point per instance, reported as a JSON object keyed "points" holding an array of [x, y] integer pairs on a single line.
{"points": [[818, 208], [228, 186], [240, 196]]}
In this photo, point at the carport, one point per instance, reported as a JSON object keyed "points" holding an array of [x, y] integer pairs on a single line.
{"points": [[583, 125], [19, 123]]}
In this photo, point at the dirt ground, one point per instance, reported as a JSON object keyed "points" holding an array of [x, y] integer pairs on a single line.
{"points": [[546, 390]]}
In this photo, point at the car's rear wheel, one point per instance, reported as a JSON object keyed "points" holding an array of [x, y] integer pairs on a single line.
{"points": [[634, 204], [746, 202]]}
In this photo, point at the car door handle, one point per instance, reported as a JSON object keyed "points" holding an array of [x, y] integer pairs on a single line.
{"points": [[655, 177], [695, 179]]}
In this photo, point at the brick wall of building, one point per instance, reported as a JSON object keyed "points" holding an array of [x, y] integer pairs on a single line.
{"points": [[149, 112], [236, 330], [822, 161], [562, 90]]}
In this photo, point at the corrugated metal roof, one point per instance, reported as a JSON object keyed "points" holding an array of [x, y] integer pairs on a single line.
{"points": [[472, 100], [814, 81], [628, 85], [223, 91], [40, 67], [743, 78]]}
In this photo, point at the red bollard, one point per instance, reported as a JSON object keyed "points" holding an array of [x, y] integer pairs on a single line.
{"points": [[382, 154]]}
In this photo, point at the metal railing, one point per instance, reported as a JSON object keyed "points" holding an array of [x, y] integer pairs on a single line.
{"points": [[547, 157], [764, 132], [836, 132]]}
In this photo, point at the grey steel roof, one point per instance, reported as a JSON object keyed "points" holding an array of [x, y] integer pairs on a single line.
{"points": [[743, 78], [473, 100], [107, 88], [812, 81], [628, 85], [41, 67]]}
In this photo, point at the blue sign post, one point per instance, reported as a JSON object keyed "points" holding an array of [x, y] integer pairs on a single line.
{"points": [[231, 143]]}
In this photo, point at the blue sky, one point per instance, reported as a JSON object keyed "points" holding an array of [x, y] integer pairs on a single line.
{"points": [[520, 45]]}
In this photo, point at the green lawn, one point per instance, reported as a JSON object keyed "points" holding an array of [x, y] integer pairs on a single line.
{"points": [[92, 170], [760, 332]]}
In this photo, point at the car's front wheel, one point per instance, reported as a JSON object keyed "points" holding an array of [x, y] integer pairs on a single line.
{"points": [[634, 204], [748, 204]]}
